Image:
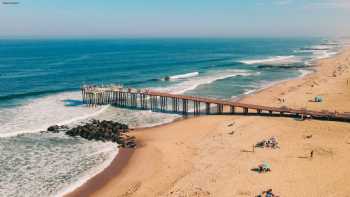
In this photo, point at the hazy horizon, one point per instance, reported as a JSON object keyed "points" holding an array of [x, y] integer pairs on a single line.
{"points": [[180, 19]]}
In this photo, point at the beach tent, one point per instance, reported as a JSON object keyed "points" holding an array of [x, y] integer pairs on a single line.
{"points": [[318, 99]]}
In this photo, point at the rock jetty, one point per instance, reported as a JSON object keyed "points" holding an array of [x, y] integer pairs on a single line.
{"points": [[100, 131]]}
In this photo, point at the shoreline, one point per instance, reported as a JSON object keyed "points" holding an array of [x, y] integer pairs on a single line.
{"points": [[94, 180], [267, 86], [275, 83]]}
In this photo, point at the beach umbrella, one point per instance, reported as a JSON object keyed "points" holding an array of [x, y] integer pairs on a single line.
{"points": [[318, 99], [266, 165]]}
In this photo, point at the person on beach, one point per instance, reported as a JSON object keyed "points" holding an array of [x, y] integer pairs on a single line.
{"points": [[311, 154], [267, 193]]}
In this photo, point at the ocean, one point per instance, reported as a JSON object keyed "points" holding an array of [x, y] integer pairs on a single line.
{"points": [[40, 82]]}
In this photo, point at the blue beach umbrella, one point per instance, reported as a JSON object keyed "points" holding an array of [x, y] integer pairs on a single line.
{"points": [[266, 165], [318, 99]]}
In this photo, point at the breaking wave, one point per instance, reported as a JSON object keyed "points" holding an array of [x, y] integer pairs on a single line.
{"points": [[211, 77], [320, 51], [40, 113], [184, 76], [274, 60], [324, 54]]}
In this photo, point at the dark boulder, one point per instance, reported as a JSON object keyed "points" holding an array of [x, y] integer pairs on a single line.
{"points": [[53, 128], [103, 131], [167, 78], [56, 128]]}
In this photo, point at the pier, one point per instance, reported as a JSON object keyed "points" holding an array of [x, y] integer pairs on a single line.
{"points": [[146, 99]]}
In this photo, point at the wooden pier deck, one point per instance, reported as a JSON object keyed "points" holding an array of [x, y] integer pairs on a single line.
{"points": [[165, 102]]}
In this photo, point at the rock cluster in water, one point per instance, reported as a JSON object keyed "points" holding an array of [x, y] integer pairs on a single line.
{"points": [[57, 128], [101, 131]]}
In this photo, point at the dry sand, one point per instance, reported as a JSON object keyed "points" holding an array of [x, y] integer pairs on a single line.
{"points": [[212, 155]]}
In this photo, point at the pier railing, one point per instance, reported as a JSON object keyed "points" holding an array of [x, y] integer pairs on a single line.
{"points": [[166, 102]]}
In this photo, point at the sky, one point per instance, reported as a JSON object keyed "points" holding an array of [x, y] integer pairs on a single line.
{"points": [[175, 18]]}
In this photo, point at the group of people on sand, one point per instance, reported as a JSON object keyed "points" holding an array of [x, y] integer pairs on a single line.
{"points": [[269, 143], [281, 100], [267, 193], [263, 168]]}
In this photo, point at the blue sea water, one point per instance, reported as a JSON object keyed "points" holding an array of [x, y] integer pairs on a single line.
{"points": [[40, 79], [41, 67]]}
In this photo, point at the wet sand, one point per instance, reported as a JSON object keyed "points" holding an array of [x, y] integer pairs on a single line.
{"points": [[213, 155], [98, 181]]}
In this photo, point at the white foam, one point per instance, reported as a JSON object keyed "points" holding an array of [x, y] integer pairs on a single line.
{"points": [[184, 76], [308, 62], [211, 77], [324, 54], [47, 164], [321, 47], [321, 51], [249, 91], [274, 60], [304, 72], [137, 118], [92, 173], [38, 114]]}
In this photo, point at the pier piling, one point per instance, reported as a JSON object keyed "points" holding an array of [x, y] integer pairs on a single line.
{"points": [[93, 96]]}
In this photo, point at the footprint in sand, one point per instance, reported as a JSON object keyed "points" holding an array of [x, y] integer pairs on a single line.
{"points": [[132, 189]]}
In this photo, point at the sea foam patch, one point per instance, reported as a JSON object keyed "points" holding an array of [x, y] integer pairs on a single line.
{"points": [[38, 114], [48, 164], [320, 51], [275, 60], [184, 76]]}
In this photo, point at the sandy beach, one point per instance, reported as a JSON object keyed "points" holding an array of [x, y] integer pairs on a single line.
{"points": [[213, 155]]}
